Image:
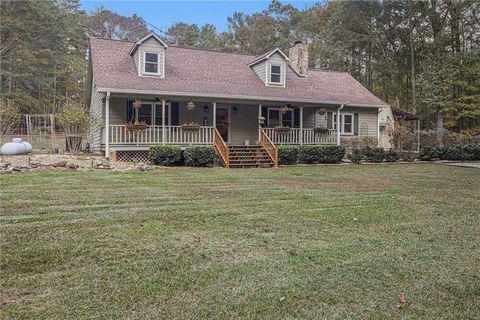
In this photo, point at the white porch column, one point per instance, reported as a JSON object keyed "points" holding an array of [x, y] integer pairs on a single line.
{"points": [[163, 121], [258, 120], [338, 124], [301, 125], [107, 125], [214, 120]]}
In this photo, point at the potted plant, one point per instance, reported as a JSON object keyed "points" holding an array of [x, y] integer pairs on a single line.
{"points": [[322, 111], [282, 129], [284, 109], [190, 126], [135, 126], [137, 104]]}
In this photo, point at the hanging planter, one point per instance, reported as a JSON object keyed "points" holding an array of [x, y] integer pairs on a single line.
{"points": [[137, 104], [322, 111], [190, 106], [284, 109]]}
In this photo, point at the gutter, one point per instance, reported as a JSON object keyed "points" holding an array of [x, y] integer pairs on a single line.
{"points": [[238, 97]]}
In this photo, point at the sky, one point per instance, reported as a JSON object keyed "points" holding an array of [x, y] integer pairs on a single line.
{"points": [[162, 14]]}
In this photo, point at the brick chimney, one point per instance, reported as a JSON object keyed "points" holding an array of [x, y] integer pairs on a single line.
{"points": [[298, 56]]}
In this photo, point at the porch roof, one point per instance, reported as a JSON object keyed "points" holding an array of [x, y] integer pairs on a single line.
{"points": [[203, 73]]}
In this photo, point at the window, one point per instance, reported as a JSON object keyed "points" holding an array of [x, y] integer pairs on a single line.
{"points": [[346, 122], [144, 114], [158, 114], [151, 63], [277, 118], [275, 74]]}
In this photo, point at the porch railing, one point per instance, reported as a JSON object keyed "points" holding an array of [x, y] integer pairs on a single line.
{"points": [[298, 136], [222, 148], [118, 134], [269, 146]]}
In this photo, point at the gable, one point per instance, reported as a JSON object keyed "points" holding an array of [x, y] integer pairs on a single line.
{"points": [[263, 68]]}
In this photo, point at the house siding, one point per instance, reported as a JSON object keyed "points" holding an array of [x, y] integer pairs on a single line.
{"points": [[367, 119], [244, 124], [96, 110], [197, 115], [260, 70]]}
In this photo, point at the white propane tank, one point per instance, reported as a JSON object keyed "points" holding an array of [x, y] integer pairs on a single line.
{"points": [[17, 146]]}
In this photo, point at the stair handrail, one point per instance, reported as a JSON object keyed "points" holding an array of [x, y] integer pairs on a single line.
{"points": [[269, 146], [222, 148]]}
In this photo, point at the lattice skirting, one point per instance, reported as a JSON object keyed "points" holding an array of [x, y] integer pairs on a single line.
{"points": [[133, 156]]}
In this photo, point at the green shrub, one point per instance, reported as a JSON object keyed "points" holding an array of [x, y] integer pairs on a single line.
{"points": [[373, 154], [472, 152], [409, 156], [288, 154], [165, 155], [199, 156], [320, 153], [427, 154], [391, 156], [356, 156]]}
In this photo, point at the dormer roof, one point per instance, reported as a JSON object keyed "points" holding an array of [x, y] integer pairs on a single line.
{"points": [[267, 55], [148, 36]]}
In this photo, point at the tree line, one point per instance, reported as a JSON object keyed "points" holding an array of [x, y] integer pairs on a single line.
{"points": [[420, 56]]}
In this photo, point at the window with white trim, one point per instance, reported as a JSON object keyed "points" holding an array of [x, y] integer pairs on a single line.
{"points": [[275, 74], [346, 122], [151, 63], [276, 118]]}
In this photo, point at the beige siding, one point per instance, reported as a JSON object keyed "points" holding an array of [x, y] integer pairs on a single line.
{"points": [[260, 70], [244, 124], [96, 110], [136, 58], [276, 59], [367, 119], [151, 46]]}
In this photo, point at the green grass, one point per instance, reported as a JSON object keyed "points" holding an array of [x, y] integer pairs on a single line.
{"points": [[300, 242]]}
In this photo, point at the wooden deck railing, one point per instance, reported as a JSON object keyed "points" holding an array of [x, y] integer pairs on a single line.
{"points": [[222, 148], [301, 136], [154, 135], [269, 146]]}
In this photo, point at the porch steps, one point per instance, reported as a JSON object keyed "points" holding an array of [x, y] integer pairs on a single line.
{"points": [[249, 157]]}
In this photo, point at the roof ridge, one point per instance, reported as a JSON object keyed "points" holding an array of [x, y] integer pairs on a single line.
{"points": [[107, 39]]}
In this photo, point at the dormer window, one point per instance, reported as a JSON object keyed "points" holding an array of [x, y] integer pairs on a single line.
{"points": [[275, 74], [151, 63]]}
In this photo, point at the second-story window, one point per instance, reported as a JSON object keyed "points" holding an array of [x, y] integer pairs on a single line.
{"points": [[151, 63], [275, 74]]}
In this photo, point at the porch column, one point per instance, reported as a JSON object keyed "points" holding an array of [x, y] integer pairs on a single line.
{"points": [[338, 124], [301, 125], [107, 125], [258, 120], [214, 120], [163, 121]]}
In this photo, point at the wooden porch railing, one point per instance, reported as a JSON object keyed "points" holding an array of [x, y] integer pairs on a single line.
{"points": [[222, 148], [301, 136], [154, 135], [269, 146]]}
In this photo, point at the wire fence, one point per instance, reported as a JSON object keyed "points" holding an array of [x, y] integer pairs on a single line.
{"points": [[41, 131]]}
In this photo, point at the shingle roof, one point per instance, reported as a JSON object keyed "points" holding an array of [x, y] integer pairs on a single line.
{"points": [[221, 75]]}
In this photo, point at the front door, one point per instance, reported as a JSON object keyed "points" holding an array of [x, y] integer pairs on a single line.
{"points": [[223, 122]]}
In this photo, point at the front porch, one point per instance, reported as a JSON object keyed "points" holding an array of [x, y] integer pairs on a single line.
{"points": [[177, 122]]}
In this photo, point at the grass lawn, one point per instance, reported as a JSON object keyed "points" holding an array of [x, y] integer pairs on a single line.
{"points": [[299, 242]]}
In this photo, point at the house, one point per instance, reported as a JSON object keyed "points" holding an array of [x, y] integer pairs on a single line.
{"points": [[149, 93]]}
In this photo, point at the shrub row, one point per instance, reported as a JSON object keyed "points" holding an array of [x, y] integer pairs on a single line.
{"points": [[195, 156], [467, 152], [379, 155], [310, 154]]}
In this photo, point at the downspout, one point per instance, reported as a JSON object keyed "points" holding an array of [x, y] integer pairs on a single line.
{"points": [[338, 123], [107, 125]]}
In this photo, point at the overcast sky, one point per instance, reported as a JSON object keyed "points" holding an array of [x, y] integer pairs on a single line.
{"points": [[163, 14]]}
